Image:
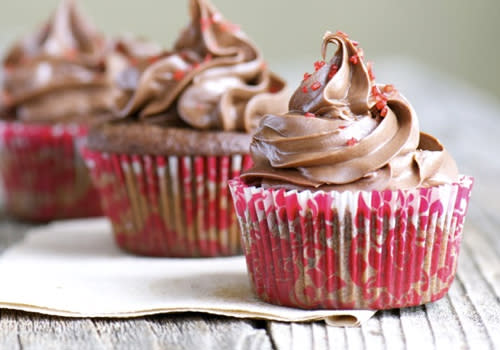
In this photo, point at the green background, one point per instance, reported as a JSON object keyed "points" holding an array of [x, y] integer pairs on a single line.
{"points": [[457, 37]]}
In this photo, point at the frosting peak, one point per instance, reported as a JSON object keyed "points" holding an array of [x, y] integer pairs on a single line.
{"points": [[67, 34], [344, 131], [215, 78], [63, 62]]}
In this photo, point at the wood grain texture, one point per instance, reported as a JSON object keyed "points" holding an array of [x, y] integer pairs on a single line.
{"points": [[26, 331]]}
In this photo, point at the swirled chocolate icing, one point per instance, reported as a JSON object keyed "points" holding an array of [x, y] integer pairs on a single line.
{"points": [[215, 78], [59, 73], [345, 132]]}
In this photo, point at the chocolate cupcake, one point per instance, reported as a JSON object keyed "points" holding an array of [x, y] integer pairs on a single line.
{"points": [[348, 205], [162, 167], [57, 83]]}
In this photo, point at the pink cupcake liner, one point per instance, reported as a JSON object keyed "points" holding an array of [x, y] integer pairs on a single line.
{"points": [[351, 250], [177, 206], [43, 174]]}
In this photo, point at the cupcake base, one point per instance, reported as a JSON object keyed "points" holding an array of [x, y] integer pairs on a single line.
{"points": [[176, 206], [351, 250], [43, 174]]}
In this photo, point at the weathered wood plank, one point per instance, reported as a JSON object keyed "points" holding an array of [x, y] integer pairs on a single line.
{"points": [[481, 295], [126, 334], [34, 332], [392, 331], [185, 332], [9, 336], [415, 327]]}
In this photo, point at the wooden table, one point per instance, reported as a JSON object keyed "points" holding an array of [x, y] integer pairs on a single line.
{"points": [[467, 318]]}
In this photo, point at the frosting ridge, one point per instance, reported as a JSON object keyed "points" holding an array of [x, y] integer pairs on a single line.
{"points": [[344, 131], [215, 78]]}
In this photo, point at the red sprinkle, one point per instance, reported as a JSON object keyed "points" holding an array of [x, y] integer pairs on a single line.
{"points": [[333, 70], [179, 75], [133, 61], [354, 42], [342, 126], [305, 90], [208, 57], [341, 33], [70, 54], [369, 66], [205, 23], [318, 65], [352, 142], [383, 112], [354, 59], [315, 86], [153, 59], [388, 88], [274, 88], [309, 115], [307, 76], [381, 105]]}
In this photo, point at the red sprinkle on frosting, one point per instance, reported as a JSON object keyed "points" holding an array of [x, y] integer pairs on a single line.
{"points": [[318, 65], [309, 115], [342, 127], [341, 33], [179, 75], [153, 59], [389, 88], [307, 76], [352, 142], [133, 61], [315, 86], [205, 23], [70, 54], [380, 105], [305, 90], [384, 111], [354, 59], [354, 42], [333, 70], [208, 57], [274, 88]]}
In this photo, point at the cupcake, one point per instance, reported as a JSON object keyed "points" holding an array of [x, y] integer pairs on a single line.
{"points": [[162, 166], [348, 205], [57, 83]]}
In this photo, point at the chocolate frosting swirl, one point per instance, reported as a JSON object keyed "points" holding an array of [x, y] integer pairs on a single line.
{"points": [[344, 132], [59, 73], [215, 78]]}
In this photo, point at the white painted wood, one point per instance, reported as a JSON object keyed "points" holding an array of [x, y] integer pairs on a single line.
{"points": [[416, 329], [391, 326]]}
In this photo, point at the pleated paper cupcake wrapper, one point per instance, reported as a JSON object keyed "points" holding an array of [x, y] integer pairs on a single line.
{"points": [[351, 250], [176, 206], [43, 173]]}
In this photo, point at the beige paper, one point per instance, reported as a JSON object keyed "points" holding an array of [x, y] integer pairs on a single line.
{"points": [[74, 269]]}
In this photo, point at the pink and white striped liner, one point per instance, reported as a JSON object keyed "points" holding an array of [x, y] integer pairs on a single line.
{"points": [[43, 174], [352, 250], [177, 206]]}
